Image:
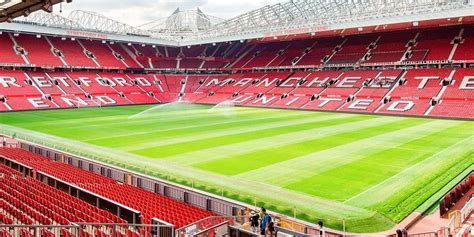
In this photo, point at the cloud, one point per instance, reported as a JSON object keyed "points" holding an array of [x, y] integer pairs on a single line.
{"points": [[138, 12]]}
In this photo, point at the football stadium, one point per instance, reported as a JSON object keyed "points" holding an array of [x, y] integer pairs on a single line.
{"points": [[300, 118]]}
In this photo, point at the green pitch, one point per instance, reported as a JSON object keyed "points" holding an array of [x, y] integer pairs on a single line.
{"points": [[366, 171]]}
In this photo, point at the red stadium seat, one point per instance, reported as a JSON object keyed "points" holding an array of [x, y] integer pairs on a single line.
{"points": [[151, 205]]}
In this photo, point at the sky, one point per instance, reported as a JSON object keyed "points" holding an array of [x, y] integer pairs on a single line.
{"points": [[138, 12]]}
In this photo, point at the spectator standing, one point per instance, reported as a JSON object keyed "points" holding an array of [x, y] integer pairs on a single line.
{"points": [[265, 222]]}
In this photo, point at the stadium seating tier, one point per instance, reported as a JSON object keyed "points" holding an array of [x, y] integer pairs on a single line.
{"points": [[150, 205], [424, 91]]}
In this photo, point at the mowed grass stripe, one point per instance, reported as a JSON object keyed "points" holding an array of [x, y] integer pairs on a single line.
{"points": [[162, 120], [228, 151], [260, 158], [101, 129], [421, 181], [184, 147], [163, 133], [77, 118], [69, 117], [225, 129], [294, 170], [364, 173], [414, 178]]}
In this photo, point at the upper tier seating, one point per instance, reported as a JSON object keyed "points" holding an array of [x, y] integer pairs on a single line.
{"points": [[434, 44], [267, 55], [353, 49], [150, 205], [139, 55], [292, 53], [190, 63], [237, 53], [431, 44], [40, 52], [74, 53], [103, 54], [164, 63], [390, 47], [169, 51], [127, 58], [223, 49], [194, 51], [8, 54], [322, 48], [465, 50], [213, 64]]}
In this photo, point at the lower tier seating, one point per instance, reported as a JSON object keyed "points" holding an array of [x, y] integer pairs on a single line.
{"points": [[149, 204], [27, 201], [422, 92]]}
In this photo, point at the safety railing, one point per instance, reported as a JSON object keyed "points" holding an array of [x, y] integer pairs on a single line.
{"points": [[88, 229], [207, 225]]}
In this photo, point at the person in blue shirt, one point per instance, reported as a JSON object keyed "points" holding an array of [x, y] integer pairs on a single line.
{"points": [[265, 222]]}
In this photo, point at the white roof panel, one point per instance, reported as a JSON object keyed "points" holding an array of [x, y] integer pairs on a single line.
{"points": [[295, 16]]}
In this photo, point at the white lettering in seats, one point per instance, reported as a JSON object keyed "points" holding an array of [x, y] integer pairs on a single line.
{"points": [[401, 106]]}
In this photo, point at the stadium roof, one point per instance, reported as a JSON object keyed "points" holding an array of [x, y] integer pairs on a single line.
{"points": [[10, 9], [182, 24], [308, 16]]}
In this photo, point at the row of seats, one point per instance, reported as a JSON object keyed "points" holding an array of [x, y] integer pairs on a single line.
{"points": [[150, 205], [28, 201], [438, 44]]}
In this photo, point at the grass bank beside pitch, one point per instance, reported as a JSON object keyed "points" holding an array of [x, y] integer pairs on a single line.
{"points": [[366, 171]]}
